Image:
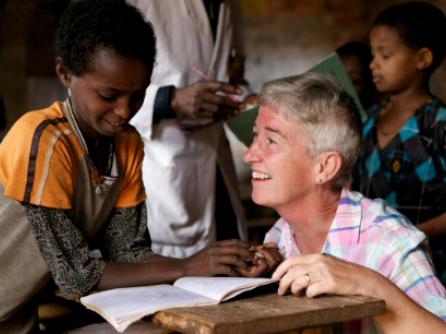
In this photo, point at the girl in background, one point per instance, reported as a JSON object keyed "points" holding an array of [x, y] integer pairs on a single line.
{"points": [[403, 158]]}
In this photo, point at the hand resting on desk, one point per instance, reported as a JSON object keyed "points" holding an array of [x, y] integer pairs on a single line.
{"points": [[316, 274]]}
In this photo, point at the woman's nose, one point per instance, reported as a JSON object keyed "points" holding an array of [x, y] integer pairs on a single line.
{"points": [[250, 155]]}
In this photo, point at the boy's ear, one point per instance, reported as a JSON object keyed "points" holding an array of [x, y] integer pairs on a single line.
{"points": [[63, 73], [425, 58]]}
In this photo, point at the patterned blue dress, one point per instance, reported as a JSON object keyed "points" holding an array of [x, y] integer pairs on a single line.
{"points": [[409, 173]]}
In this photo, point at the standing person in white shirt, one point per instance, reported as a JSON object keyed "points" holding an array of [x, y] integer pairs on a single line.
{"points": [[189, 175]]}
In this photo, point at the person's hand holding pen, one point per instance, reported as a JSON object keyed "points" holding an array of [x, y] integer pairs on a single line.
{"points": [[205, 99]]}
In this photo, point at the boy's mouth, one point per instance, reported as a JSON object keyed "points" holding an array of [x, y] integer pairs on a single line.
{"points": [[116, 125]]}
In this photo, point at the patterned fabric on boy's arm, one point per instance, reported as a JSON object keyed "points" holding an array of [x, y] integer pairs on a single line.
{"points": [[126, 238], [65, 251]]}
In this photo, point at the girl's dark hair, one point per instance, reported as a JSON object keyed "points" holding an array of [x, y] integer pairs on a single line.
{"points": [[419, 25], [91, 25]]}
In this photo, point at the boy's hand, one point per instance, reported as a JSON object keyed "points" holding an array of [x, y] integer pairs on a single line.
{"points": [[221, 258]]}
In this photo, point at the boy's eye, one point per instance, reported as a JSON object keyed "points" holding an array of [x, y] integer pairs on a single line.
{"points": [[106, 97]]}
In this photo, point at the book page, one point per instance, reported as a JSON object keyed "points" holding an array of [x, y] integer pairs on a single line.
{"points": [[220, 288], [121, 307]]}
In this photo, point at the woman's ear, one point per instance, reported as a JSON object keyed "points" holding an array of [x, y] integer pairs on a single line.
{"points": [[63, 73], [425, 58], [328, 166]]}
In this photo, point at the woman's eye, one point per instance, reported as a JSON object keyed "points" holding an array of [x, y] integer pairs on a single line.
{"points": [[270, 141]]}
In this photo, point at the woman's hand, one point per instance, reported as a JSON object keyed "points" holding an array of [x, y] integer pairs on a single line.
{"points": [[317, 274], [221, 258], [265, 258]]}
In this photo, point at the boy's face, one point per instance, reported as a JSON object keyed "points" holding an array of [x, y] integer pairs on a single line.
{"points": [[109, 93], [394, 65]]}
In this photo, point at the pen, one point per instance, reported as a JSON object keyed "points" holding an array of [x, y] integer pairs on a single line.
{"points": [[204, 76], [200, 73]]}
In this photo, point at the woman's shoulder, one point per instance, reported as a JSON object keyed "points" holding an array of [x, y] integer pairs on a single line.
{"points": [[378, 216]]}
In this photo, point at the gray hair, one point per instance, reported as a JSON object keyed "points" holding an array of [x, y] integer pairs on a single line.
{"points": [[324, 111]]}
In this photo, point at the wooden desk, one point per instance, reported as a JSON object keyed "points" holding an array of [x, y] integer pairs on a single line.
{"points": [[268, 313]]}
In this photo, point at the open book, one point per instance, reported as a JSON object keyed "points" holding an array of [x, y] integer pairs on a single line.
{"points": [[242, 124], [123, 306]]}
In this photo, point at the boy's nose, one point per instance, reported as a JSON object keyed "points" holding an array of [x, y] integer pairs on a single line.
{"points": [[123, 111]]}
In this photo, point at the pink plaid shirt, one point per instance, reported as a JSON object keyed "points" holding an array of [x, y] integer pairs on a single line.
{"points": [[372, 234]]}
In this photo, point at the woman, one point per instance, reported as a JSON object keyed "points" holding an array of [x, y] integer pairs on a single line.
{"points": [[307, 140]]}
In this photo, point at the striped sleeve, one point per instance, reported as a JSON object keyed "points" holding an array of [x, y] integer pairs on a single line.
{"points": [[41, 161]]}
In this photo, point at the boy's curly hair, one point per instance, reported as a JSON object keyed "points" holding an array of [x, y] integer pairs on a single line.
{"points": [[419, 25], [91, 25]]}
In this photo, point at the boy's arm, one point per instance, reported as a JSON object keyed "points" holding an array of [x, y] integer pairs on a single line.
{"points": [[65, 251], [220, 258], [126, 238], [76, 272]]}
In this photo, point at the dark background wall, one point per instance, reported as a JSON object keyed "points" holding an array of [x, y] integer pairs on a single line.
{"points": [[282, 37], [27, 78]]}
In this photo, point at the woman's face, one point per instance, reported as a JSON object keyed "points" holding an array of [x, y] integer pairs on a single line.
{"points": [[282, 170], [109, 93], [394, 65]]}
